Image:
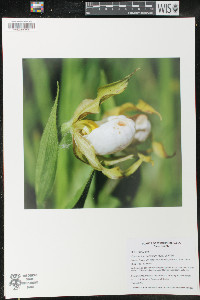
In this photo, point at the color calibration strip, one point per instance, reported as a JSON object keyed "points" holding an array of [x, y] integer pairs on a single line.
{"points": [[37, 7]]}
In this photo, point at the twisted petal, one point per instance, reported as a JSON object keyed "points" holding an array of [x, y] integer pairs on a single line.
{"points": [[146, 108], [89, 106], [136, 165], [159, 150], [141, 107], [114, 161]]}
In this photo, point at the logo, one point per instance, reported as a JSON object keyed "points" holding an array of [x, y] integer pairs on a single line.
{"points": [[170, 8], [175, 7], [15, 281], [28, 281]]}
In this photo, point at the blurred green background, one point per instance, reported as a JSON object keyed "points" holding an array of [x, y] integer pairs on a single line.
{"points": [[157, 83]]}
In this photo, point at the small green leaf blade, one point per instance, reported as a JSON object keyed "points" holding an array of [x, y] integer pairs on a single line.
{"points": [[81, 195], [47, 157]]}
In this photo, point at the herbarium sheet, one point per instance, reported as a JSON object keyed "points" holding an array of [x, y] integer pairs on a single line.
{"points": [[99, 157]]}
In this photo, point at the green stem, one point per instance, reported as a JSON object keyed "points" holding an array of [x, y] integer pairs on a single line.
{"points": [[66, 127]]}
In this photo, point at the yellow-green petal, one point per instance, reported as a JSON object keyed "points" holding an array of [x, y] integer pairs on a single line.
{"points": [[88, 151], [159, 150], [136, 165], [89, 106], [146, 108], [83, 109], [133, 167], [120, 110], [113, 173], [114, 161], [141, 107], [146, 158], [77, 153], [114, 88]]}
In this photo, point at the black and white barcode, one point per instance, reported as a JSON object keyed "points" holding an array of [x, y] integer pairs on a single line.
{"points": [[22, 26]]}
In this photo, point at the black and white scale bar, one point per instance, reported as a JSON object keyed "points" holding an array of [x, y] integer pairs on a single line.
{"points": [[121, 8]]}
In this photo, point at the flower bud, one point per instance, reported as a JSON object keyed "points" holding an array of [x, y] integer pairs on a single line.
{"points": [[115, 134], [143, 128]]}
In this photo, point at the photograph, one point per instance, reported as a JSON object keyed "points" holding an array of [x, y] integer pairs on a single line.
{"points": [[102, 133]]}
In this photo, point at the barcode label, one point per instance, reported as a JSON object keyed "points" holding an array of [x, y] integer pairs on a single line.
{"points": [[21, 26]]}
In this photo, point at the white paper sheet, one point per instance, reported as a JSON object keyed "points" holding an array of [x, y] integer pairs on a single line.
{"points": [[84, 252]]}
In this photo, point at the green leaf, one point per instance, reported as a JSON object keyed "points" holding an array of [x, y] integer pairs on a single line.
{"points": [[41, 86], [29, 158], [47, 157], [89, 106], [108, 202], [105, 197], [79, 199]]}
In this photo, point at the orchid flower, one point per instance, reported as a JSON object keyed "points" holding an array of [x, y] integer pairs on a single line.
{"points": [[104, 144]]}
